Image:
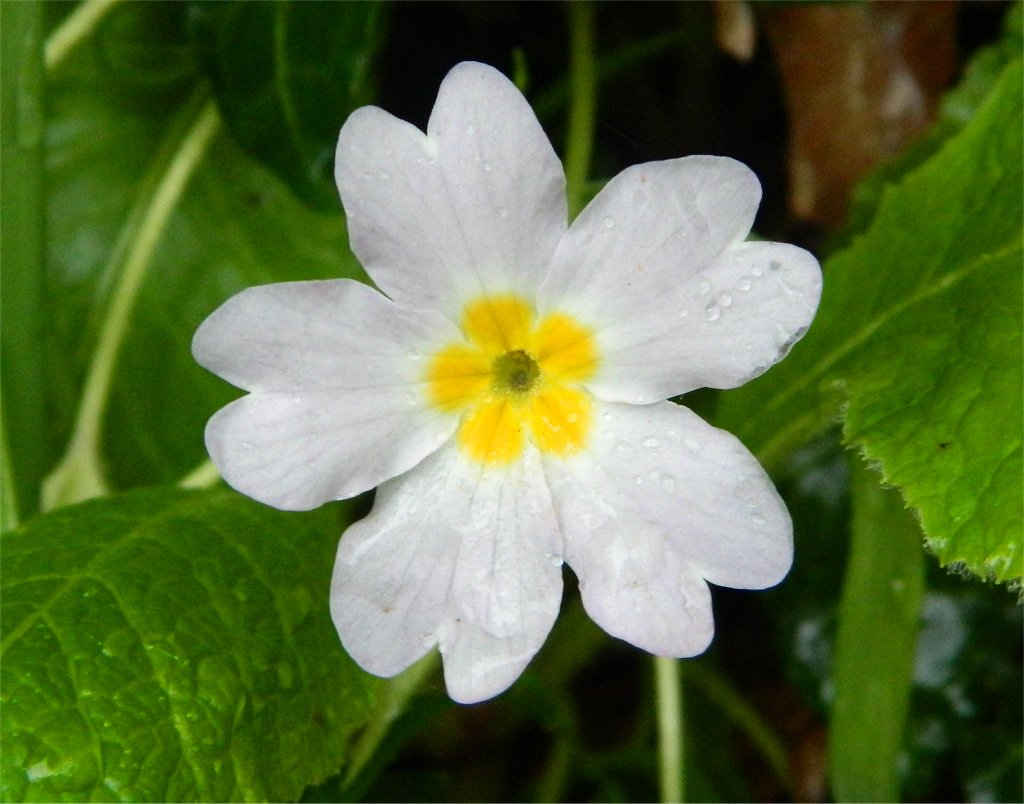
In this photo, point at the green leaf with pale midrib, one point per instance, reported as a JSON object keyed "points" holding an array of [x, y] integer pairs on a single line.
{"points": [[934, 278], [169, 645], [237, 225]]}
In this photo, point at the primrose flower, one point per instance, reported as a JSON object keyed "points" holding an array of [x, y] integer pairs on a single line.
{"points": [[507, 391]]}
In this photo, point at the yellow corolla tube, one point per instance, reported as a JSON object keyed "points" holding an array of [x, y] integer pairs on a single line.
{"points": [[515, 378]]}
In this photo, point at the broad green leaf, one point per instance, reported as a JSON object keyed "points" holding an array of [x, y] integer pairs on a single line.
{"points": [[917, 344], [22, 431], [287, 75], [116, 123], [170, 645], [879, 620]]}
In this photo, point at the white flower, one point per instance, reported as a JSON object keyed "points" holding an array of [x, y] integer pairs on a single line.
{"points": [[508, 393]]}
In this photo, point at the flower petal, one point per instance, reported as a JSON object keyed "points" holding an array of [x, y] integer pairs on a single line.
{"points": [[476, 206], [658, 501], [296, 451], [457, 556], [340, 396], [651, 227], [312, 336], [722, 327]]}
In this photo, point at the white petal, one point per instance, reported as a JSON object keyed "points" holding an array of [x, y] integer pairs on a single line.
{"points": [[651, 227], [339, 401], [296, 451], [309, 336], [718, 329], [658, 501], [475, 206], [456, 556]]}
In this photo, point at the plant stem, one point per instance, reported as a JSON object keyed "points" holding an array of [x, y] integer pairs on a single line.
{"points": [[79, 475], [78, 25], [583, 78], [24, 431], [669, 687], [203, 476], [743, 716]]}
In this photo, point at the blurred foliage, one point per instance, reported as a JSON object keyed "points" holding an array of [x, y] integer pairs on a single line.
{"points": [[260, 207]]}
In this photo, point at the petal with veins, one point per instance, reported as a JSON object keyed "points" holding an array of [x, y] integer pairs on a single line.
{"points": [[718, 329], [474, 207], [659, 501], [453, 555], [342, 399]]}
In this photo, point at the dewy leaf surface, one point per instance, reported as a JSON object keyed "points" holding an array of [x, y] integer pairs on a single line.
{"points": [[918, 343], [169, 645]]}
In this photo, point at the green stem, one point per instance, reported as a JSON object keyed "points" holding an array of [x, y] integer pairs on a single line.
{"points": [[876, 641], [202, 477], [80, 473], [744, 717], [669, 687], [397, 694], [78, 25], [22, 238], [552, 99], [580, 137]]}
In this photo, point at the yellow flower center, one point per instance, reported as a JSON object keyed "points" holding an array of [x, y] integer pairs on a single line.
{"points": [[515, 378]]}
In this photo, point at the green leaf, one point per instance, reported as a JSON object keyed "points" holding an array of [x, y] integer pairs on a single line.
{"points": [[287, 75], [879, 620], [170, 645], [116, 123], [918, 344]]}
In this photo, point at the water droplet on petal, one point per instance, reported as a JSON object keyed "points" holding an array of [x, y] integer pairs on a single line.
{"points": [[606, 416], [572, 418], [669, 483], [502, 212], [654, 474], [296, 400], [713, 312], [411, 399], [774, 265], [756, 270], [471, 129], [246, 445], [609, 223], [639, 479], [650, 442], [757, 519], [384, 174], [683, 312], [488, 167], [413, 355], [556, 561], [744, 284], [705, 288], [623, 449], [725, 300], [692, 445]]}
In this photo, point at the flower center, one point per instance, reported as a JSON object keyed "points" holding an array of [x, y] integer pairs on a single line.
{"points": [[514, 373], [515, 378]]}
